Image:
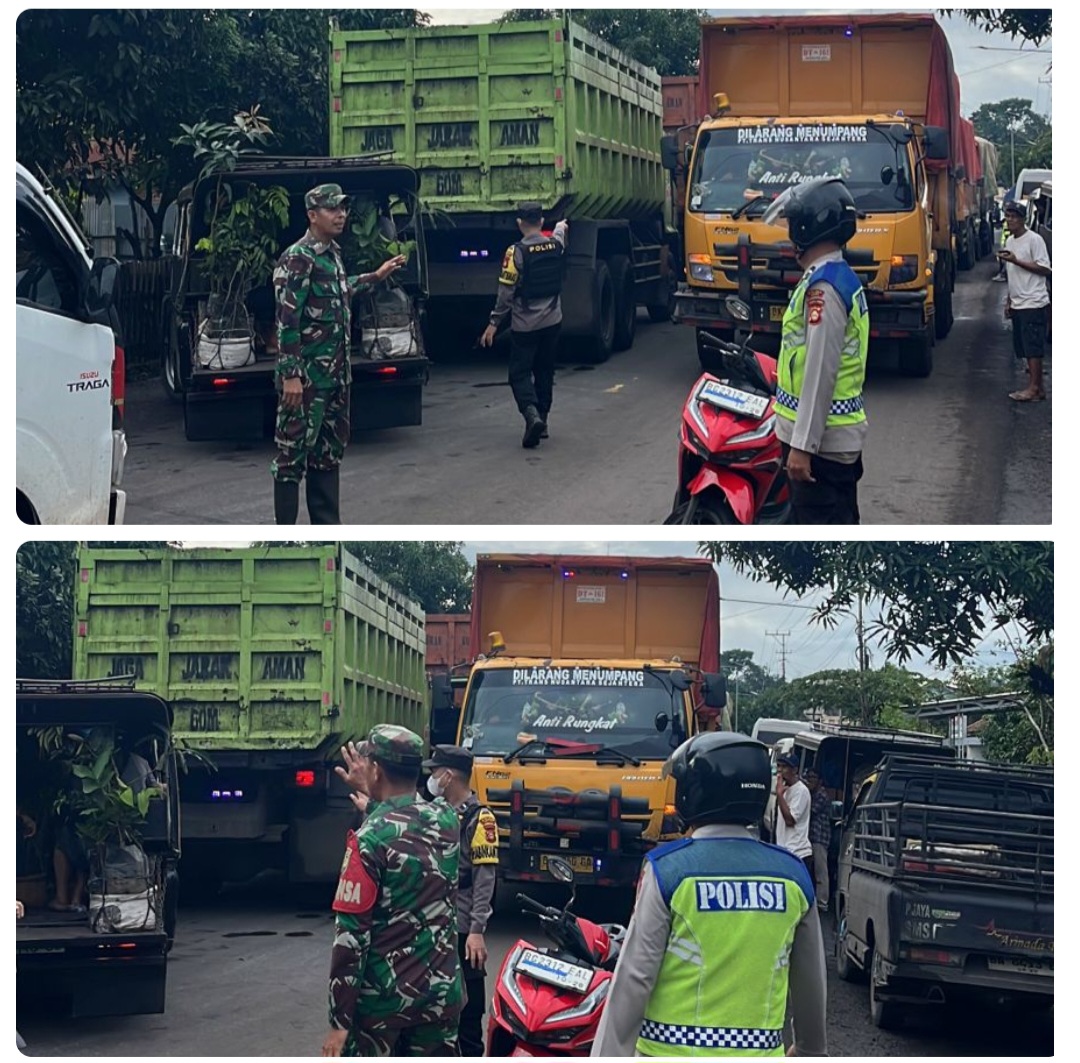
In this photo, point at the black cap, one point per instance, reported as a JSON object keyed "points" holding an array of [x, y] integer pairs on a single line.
{"points": [[456, 757], [790, 760], [1012, 207], [531, 211]]}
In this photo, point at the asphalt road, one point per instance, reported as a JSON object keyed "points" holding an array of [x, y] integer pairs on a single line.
{"points": [[951, 449], [248, 978]]}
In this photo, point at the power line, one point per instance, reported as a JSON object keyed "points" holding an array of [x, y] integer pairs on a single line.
{"points": [[783, 637]]}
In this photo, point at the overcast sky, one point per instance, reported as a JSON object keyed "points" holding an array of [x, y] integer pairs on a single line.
{"points": [[987, 74], [750, 612]]}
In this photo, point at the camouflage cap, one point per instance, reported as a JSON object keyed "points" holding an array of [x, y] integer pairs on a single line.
{"points": [[325, 196], [393, 745]]}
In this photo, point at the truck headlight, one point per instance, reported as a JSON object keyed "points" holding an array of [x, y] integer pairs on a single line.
{"points": [[905, 268], [701, 268]]}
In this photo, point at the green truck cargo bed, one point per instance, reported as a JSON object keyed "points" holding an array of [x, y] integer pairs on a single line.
{"points": [[261, 648], [492, 115]]}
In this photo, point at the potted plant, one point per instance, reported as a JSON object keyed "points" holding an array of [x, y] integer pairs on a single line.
{"points": [[241, 247], [388, 319], [108, 812]]}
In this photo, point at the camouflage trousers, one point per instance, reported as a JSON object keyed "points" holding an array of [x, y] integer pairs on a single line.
{"points": [[312, 436], [437, 1038]]}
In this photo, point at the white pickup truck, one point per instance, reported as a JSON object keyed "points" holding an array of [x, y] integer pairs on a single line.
{"points": [[69, 385]]}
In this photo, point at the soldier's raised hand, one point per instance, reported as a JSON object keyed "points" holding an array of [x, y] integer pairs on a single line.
{"points": [[355, 771]]}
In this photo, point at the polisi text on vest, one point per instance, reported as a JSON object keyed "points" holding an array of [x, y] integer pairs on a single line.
{"points": [[736, 895]]}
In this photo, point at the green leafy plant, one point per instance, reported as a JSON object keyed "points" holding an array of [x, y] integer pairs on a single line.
{"points": [[242, 243], [364, 247], [102, 806]]}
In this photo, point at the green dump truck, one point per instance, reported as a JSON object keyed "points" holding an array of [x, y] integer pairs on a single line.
{"points": [[493, 115], [271, 658]]}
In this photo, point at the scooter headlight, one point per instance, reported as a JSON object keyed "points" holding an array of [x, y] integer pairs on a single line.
{"points": [[586, 1007], [756, 435], [509, 982]]}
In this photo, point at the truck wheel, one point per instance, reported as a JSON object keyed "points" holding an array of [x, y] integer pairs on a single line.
{"points": [[884, 1014], [600, 342], [917, 356], [661, 312], [966, 255], [943, 311], [847, 969], [622, 283]]}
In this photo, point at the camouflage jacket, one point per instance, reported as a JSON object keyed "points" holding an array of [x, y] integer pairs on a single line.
{"points": [[314, 314], [395, 960]]}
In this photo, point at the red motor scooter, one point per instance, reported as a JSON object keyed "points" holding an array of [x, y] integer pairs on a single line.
{"points": [[548, 1002], [730, 463]]}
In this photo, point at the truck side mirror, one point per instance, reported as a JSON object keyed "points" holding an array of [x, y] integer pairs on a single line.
{"points": [[937, 142], [715, 690], [661, 722], [669, 152]]}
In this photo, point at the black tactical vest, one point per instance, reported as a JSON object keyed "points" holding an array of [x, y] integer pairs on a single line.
{"points": [[541, 270]]}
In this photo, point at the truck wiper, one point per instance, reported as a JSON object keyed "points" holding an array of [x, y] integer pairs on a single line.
{"points": [[599, 751], [739, 211], [542, 742]]}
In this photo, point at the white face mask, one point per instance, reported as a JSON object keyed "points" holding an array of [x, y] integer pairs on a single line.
{"points": [[435, 787]]}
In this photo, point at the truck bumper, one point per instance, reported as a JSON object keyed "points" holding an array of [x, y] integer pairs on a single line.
{"points": [[240, 404], [908, 981], [893, 315]]}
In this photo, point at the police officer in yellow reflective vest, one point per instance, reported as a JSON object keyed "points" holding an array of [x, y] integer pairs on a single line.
{"points": [[724, 925], [820, 414], [451, 775]]}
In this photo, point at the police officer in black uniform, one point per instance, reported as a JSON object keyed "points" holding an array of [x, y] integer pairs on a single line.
{"points": [[529, 288], [451, 773]]}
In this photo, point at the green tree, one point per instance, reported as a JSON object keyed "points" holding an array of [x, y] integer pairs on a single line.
{"points": [[1023, 138], [44, 602], [749, 687], [940, 598], [666, 39], [101, 95], [878, 696], [1031, 24], [435, 574]]}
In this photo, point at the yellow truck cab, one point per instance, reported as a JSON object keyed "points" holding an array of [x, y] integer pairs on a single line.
{"points": [[594, 670], [870, 99]]}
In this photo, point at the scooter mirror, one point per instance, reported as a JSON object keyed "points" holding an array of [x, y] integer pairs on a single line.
{"points": [[737, 308], [560, 869]]}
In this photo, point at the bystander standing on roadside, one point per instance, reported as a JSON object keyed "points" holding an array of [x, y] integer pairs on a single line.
{"points": [[793, 812], [820, 835], [1027, 266]]}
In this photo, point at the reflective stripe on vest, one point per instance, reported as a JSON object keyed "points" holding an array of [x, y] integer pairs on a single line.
{"points": [[735, 904], [712, 1036], [847, 402]]}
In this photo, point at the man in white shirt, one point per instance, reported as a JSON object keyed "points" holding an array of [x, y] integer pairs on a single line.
{"points": [[1027, 266], [793, 812]]}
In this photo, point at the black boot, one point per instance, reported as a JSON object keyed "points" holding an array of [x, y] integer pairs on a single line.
{"points": [[323, 496], [286, 501], [534, 427], [544, 418]]}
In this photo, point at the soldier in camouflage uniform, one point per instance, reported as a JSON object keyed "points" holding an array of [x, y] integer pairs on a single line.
{"points": [[451, 778], [314, 319], [395, 983]]}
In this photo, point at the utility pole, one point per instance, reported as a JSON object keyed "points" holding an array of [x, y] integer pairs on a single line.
{"points": [[783, 637], [863, 664]]}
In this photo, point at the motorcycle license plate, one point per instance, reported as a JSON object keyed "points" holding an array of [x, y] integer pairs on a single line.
{"points": [[726, 397], [554, 971], [1018, 965]]}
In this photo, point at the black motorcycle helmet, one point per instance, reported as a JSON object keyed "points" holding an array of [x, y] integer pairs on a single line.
{"points": [[720, 777], [818, 210]]}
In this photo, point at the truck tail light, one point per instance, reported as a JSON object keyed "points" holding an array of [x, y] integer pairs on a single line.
{"points": [[938, 956], [119, 385], [305, 779]]}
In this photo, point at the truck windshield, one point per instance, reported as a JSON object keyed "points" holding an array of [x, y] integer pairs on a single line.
{"points": [[734, 166], [612, 707]]}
